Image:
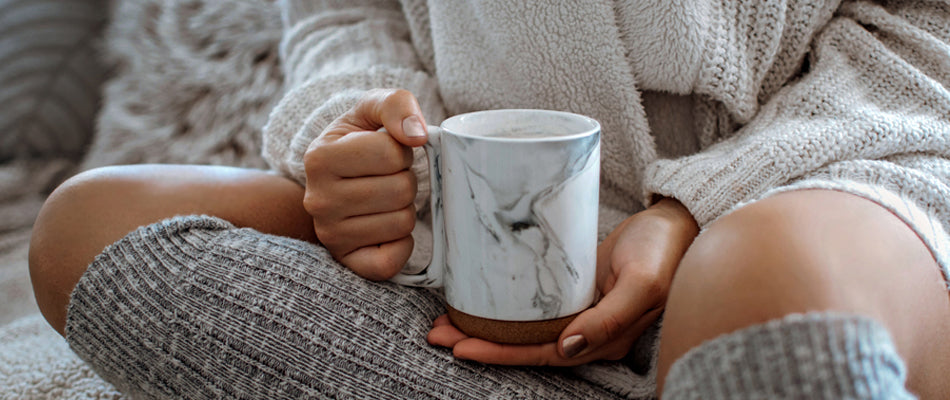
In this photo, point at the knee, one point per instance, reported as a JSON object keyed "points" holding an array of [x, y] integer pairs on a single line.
{"points": [[66, 238], [761, 262], [802, 251], [791, 253]]}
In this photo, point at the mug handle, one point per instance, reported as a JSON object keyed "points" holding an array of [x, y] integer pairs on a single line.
{"points": [[431, 275]]}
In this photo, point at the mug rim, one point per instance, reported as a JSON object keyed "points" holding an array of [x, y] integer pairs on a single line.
{"points": [[594, 125]]}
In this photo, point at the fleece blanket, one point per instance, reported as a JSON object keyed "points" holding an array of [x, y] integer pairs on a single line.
{"points": [[35, 362]]}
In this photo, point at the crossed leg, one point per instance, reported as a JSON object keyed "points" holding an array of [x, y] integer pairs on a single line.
{"points": [[98, 207], [195, 307], [794, 252]]}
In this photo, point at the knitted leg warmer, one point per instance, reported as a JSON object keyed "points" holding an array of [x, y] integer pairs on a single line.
{"points": [[811, 356], [193, 307]]}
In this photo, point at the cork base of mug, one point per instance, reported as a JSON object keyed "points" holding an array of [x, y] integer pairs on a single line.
{"points": [[511, 332]]}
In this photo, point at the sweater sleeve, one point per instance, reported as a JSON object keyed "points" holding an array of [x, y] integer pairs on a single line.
{"points": [[871, 117], [332, 52]]}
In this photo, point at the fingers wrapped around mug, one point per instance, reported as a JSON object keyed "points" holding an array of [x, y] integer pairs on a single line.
{"points": [[360, 188], [397, 110], [464, 347], [635, 266]]}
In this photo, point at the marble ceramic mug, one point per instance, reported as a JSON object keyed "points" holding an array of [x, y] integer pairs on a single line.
{"points": [[514, 215]]}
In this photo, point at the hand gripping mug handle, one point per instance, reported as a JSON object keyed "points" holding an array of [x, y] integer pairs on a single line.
{"points": [[431, 275]]}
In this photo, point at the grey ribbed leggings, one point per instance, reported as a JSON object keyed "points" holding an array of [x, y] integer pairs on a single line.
{"points": [[193, 307]]}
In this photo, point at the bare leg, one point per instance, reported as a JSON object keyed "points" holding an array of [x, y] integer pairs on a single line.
{"points": [[813, 251], [94, 209]]}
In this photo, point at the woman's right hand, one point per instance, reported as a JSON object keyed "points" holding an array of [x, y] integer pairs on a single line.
{"points": [[360, 188]]}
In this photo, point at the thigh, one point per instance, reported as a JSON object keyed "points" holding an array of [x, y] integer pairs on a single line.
{"points": [[195, 307], [97, 207], [812, 251]]}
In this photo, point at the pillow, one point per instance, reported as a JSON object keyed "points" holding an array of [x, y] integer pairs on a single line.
{"points": [[49, 76]]}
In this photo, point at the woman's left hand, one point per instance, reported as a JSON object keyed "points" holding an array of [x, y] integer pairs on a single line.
{"points": [[635, 266]]}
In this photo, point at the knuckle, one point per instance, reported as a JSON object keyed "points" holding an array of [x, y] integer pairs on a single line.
{"points": [[332, 237], [373, 95], [387, 265], [390, 159], [407, 188], [406, 220], [610, 326], [328, 237], [397, 96], [314, 159], [315, 204]]}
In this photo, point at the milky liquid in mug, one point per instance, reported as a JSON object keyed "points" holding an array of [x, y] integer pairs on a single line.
{"points": [[548, 126], [527, 132]]}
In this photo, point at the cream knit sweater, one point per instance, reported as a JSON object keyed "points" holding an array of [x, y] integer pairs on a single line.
{"points": [[784, 95]]}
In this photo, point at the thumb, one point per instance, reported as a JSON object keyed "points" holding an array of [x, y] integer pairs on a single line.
{"points": [[397, 110], [605, 323]]}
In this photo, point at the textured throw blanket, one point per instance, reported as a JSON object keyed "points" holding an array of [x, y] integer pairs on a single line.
{"points": [[36, 363], [218, 59]]}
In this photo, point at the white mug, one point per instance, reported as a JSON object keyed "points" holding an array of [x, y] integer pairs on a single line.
{"points": [[514, 215]]}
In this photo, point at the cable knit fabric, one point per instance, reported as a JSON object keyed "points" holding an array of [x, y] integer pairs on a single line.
{"points": [[193, 83]]}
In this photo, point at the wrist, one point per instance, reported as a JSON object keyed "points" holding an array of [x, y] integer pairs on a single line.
{"points": [[676, 213]]}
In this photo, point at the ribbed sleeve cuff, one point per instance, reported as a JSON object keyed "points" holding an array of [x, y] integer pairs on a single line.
{"points": [[712, 182], [294, 11], [740, 43], [810, 356]]}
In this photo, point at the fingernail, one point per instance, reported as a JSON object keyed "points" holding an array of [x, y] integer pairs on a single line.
{"points": [[573, 345], [412, 126]]}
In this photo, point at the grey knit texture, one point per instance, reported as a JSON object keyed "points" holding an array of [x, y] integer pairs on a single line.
{"points": [[193, 307], [811, 356]]}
